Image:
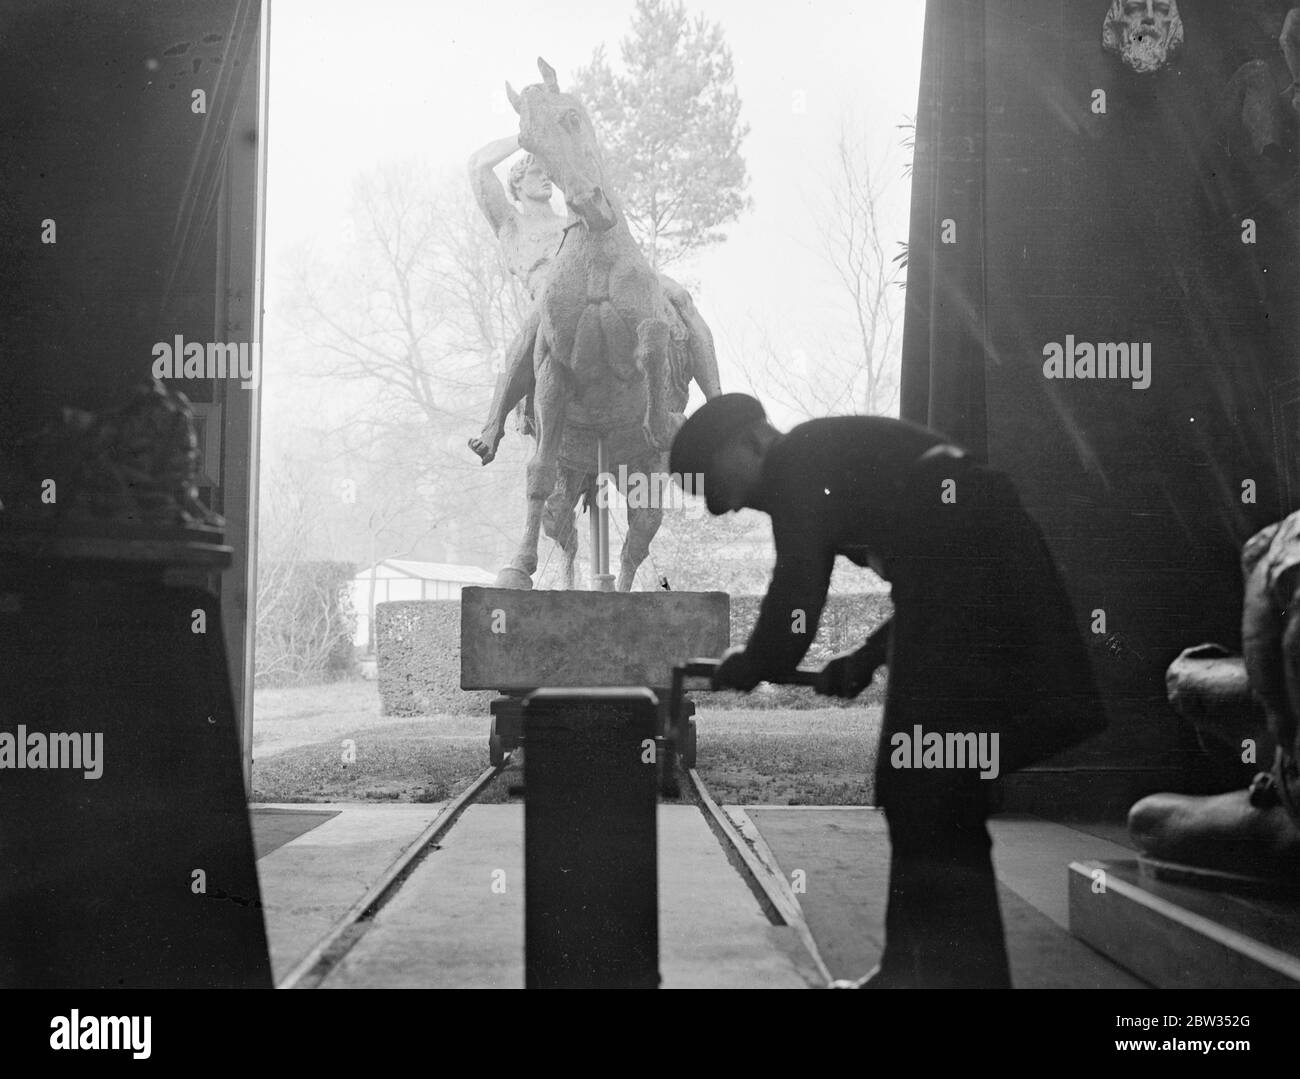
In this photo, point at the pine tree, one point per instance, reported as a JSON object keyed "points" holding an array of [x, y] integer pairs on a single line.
{"points": [[670, 129]]}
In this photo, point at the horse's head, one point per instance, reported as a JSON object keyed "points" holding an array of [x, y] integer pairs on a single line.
{"points": [[555, 128]]}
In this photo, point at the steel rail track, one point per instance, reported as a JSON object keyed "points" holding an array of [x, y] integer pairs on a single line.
{"points": [[317, 964], [770, 888]]}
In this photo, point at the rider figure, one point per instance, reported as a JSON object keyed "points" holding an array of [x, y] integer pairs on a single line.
{"points": [[530, 235]]}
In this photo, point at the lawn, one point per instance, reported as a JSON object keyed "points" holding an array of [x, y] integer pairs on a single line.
{"points": [[765, 756], [822, 756]]}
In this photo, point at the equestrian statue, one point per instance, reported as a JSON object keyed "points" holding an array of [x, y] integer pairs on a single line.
{"points": [[610, 345]]}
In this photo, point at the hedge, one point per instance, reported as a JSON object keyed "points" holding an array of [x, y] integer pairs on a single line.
{"points": [[418, 651]]}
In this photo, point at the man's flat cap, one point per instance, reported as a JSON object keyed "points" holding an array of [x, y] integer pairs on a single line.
{"points": [[709, 428]]}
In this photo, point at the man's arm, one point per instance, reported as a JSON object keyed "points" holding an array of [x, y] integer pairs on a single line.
{"points": [[792, 607], [876, 648], [488, 192], [849, 673]]}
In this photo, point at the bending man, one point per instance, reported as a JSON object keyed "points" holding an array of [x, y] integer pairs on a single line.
{"points": [[982, 643]]}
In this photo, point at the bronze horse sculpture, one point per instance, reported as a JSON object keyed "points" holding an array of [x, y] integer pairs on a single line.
{"points": [[612, 359]]}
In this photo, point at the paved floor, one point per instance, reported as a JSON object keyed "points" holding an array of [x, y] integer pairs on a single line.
{"points": [[448, 927], [311, 881], [273, 827], [843, 856]]}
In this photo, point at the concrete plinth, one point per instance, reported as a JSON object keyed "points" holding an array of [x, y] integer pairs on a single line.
{"points": [[523, 640], [1176, 936]]}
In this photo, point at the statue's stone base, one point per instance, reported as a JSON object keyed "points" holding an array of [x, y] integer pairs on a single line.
{"points": [[1218, 880], [1178, 936], [516, 641]]}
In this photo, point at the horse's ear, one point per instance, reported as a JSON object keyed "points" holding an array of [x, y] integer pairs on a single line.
{"points": [[548, 76], [513, 95]]}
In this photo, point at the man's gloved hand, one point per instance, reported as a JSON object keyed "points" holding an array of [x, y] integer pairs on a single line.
{"points": [[734, 671], [848, 674]]}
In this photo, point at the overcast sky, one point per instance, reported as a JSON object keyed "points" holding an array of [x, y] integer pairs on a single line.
{"points": [[354, 84]]}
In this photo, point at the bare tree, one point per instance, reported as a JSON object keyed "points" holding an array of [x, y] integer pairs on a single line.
{"points": [[853, 365], [413, 321], [484, 302], [304, 614], [380, 316], [280, 541], [859, 255]]}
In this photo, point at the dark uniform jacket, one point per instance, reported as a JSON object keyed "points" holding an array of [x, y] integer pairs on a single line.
{"points": [[983, 636]]}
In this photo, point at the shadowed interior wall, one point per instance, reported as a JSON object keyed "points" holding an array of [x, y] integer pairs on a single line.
{"points": [[154, 210], [143, 875], [1081, 198]]}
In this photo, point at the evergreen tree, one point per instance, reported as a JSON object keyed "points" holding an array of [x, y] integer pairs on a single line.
{"points": [[671, 130]]}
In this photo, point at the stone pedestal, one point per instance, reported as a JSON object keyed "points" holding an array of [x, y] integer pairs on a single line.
{"points": [[591, 899], [517, 641], [138, 872], [1176, 936]]}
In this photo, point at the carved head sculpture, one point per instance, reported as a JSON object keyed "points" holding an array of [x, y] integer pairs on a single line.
{"points": [[555, 128], [1146, 34], [527, 179]]}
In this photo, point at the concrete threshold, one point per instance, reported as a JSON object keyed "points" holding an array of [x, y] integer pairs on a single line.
{"points": [[311, 882], [458, 920], [836, 859]]}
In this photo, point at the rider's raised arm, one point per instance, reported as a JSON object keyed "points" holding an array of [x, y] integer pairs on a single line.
{"points": [[488, 192]]}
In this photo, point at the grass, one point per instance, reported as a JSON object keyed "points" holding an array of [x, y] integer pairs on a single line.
{"points": [[805, 757], [301, 715], [423, 760], [764, 756]]}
